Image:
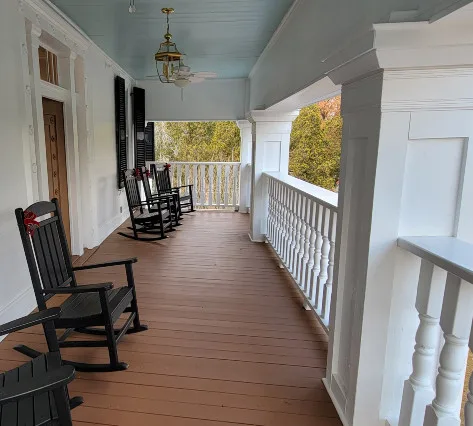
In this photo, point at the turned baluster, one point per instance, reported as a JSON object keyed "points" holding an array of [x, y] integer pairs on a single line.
{"points": [[418, 389], [455, 320], [298, 237], [306, 242], [323, 264], [318, 252], [327, 296], [285, 224], [311, 262], [469, 398], [292, 229]]}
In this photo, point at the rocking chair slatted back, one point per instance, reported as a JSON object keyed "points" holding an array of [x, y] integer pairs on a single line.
{"points": [[46, 248], [146, 183], [132, 191], [162, 178]]}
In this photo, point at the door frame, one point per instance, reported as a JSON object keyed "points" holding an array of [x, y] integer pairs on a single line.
{"points": [[66, 94]]}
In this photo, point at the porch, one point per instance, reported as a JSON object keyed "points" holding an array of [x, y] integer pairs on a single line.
{"points": [[228, 341]]}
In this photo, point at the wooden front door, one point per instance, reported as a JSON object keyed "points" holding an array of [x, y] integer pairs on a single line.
{"points": [[56, 157]]}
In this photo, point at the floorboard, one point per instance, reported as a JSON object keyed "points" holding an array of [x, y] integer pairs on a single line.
{"points": [[228, 344]]}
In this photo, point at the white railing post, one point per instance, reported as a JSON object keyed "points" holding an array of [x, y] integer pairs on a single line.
{"points": [[225, 192], [299, 238], [306, 235], [455, 320], [322, 278], [418, 389]]}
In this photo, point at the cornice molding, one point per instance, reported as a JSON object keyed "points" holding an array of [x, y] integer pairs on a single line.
{"points": [[46, 16], [410, 45], [259, 116]]}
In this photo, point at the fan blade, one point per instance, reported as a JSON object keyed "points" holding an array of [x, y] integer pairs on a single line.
{"points": [[204, 74], [196, 79]]}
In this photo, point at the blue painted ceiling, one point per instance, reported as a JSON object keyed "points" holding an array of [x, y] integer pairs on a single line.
{"points": [[223, 36]]}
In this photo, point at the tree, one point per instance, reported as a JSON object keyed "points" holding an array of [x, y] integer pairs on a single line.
{"points": [[198, 141], [316, 143]]}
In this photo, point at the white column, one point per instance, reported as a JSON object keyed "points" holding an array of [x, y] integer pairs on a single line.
{"points": [[406, 157], [271, 135], [245, 168]]}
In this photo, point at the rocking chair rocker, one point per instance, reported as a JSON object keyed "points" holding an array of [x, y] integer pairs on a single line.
{"points": [[154, 221], [163, 185], [36, 393], [89, 306]]}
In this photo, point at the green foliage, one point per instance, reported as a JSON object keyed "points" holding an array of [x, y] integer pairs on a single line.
{"points": [[316, 143], [197, 141]]}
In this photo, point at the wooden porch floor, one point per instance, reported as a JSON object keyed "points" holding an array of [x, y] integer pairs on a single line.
{"points": [[228, 342]]}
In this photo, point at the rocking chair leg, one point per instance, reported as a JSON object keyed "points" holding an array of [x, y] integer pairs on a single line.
{"points": [[137, 326], [62, 406]]}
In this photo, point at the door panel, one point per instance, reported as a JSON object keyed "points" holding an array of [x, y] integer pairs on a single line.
{"points": [[56, 158]]}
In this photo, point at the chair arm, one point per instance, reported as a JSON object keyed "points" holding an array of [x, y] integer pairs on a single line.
{"points": [[46, 382], [184, 186], [30, 320], [89, 288], [106, 264]]}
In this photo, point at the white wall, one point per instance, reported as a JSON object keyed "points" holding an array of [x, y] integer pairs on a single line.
{"points": [[105, 197], [101, 200], [317, 29], [15, 287], [209, 100]]}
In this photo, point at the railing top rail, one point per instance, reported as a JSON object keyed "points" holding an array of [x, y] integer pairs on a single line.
{"points": [[449, 253], [212, 163], [320, 195]]}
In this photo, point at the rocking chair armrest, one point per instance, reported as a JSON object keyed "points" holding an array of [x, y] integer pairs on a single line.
{"points": [[46, 382], [160, 197], [184, 186], [30, 320], [106, 264], [88, 288]]}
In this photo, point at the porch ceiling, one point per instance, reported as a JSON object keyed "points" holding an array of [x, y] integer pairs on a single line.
{"points": [[224, 36]]}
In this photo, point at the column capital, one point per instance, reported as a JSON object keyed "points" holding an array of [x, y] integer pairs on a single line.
{"points": [[447, 43], [257, 116], [244, 124]]}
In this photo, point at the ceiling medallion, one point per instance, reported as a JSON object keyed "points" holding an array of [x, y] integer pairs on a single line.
{"points": [[168, 58]]}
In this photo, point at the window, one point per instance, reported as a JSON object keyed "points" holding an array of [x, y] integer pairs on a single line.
{"points": [[48, 66]]}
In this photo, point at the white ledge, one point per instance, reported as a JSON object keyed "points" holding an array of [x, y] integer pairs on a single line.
{"points": [[449, 253], [329, 198]]}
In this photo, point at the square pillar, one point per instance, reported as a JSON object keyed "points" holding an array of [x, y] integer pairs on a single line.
{"points": [[271, 136], [406, 169], [245, 167]]}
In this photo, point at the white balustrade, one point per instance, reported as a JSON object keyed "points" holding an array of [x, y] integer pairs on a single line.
{"points": [[216, 185], [301, 228], [444, 301]]}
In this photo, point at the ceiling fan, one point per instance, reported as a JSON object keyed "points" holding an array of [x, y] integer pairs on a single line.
{"points": [[183, 77]]}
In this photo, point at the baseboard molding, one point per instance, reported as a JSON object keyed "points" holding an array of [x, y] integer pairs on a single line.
{"points": [[109, 227], [21, 305], [336, 403]]}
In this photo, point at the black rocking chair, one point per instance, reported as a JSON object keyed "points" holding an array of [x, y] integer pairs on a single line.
{"points": [[153, 199], [89, 306], [36, 393], [151, 221], [163, 185]]}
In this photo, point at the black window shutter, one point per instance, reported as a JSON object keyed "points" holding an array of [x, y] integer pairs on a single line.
{"points": [[139, 121], [149, 141], [120, 129]]}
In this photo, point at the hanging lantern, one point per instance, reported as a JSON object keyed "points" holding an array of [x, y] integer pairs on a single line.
{"points": [[168, 58]]}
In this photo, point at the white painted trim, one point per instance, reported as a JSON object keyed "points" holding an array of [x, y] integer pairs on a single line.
{"points": [[21, 305], [274, 37], [53, 92], [51, 20], [335, 402]]}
